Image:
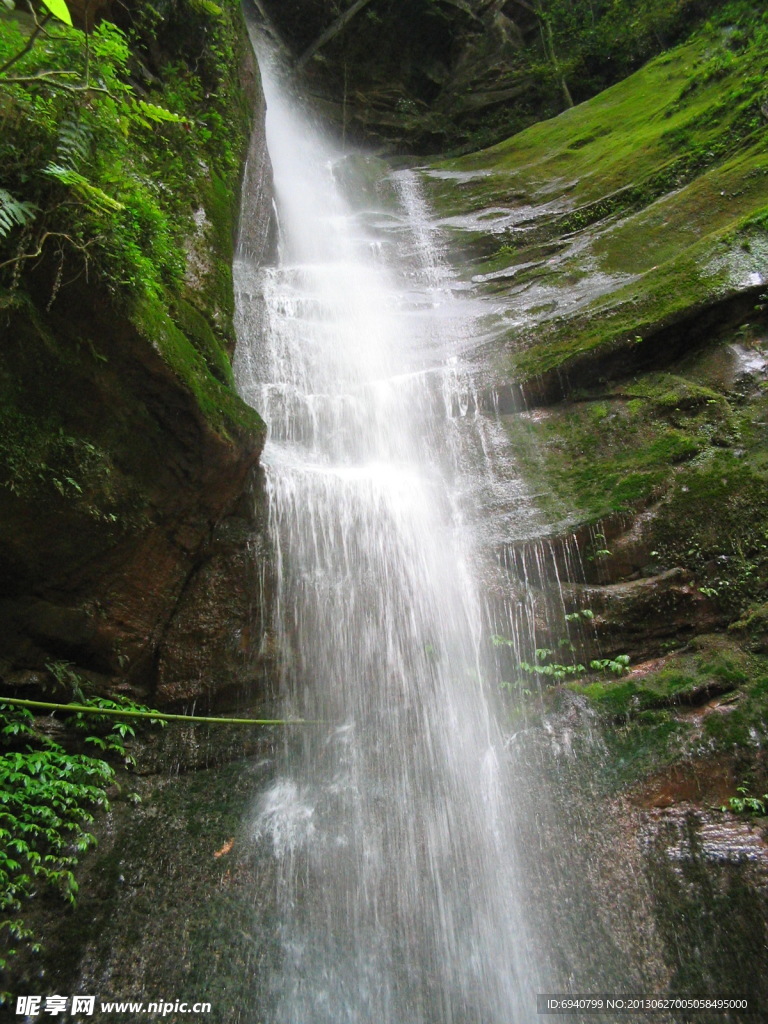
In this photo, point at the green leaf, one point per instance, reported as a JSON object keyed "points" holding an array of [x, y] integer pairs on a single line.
{"points": [[155, 113], [91, 195], [501, 641], [14, 212], [59, 10]]}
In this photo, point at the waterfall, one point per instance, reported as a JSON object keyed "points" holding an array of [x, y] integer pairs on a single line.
{"points": [[393, 819]]}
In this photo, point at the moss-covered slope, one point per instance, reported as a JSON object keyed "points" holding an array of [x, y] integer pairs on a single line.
{"points": [[606, 228], [623, 245]]}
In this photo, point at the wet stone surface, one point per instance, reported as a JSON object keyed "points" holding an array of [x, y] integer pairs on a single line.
{"points": [[708, 871]]}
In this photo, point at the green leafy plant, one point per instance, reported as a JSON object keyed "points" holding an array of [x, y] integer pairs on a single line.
{"points": [[59, 9], [598, 549], [543, 666], [67, 678], [551, 670], [516, 687], [617, 666], [584, 613], [47, 797], [746, 803], [105, 174], [105, 732], [14, 212]]}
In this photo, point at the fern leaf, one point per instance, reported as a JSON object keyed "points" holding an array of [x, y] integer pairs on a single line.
{"points": [[160, 114], [73, 144], [14, 212], [207, 7], [91, 195]]}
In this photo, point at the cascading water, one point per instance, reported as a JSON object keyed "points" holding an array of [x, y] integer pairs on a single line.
{"points": [[392, 819]]}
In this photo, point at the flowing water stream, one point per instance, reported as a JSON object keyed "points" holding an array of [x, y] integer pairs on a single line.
{"points": [[393, 821]]}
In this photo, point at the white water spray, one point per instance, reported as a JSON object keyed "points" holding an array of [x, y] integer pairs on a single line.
{"points": [[393, 824]]}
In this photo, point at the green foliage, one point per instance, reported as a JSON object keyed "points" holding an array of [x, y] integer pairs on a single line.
{"points": [[112, 176], [128, 193], [105, 732], [59, 9], [582, 48], [746, 803], [617, 666], [552, 670], [601, 41], [557, 672], [48, 797], [583, 613], [90, 195], [712, 664], [13, 212]]}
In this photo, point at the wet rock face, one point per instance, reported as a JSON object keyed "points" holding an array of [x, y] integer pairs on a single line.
{"points": [[96, 576], [176, 898], [129, 497], [214, 645], [634, 616], [411, 74], [709, 878]]}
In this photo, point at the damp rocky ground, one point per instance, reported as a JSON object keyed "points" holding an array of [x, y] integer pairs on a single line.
{"points": [[174, 901]]}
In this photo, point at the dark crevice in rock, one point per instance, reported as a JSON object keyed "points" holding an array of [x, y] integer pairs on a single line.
{"points": [[625, 356]]}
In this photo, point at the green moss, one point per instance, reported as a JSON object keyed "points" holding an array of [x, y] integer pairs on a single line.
{"points": [[164, 171], [198, 330], [627, 133], [218, 402], [728, 549], [753, 623], [669, 392], [711, 662], [662, 180], [614, 698], [645, 746], [746, 724], [648, 724], [609, 455]]}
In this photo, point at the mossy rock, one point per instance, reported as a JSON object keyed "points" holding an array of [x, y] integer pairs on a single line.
{"points": [[654, 192], [195, 364]]}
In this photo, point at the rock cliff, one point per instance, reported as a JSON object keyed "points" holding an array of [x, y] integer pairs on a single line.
{"points": [[129, 489]]}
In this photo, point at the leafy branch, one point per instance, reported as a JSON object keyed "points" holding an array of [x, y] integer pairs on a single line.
{"points": [[38, 30], [49, 796], [120, 211]]}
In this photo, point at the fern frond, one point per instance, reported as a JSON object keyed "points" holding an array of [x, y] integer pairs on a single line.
{"points": [[91, 195], [73, 144], [155, 113], [14, 212]]}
